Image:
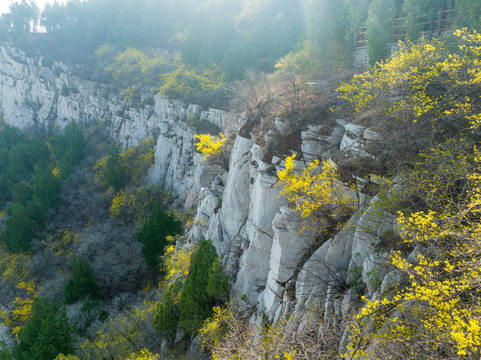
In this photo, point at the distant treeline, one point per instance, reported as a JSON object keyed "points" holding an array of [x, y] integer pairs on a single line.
{"points": [[236, 35]]}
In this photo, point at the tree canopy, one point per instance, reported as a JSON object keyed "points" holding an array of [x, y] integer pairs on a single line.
{"points": [[154, 232]]}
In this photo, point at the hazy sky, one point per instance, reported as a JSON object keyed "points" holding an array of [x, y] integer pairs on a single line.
{"points": [[4, 4]]}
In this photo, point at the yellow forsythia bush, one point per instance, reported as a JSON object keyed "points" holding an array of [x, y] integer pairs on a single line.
{"points": [[210, 145], [176, 264], [437, 313], [19, 316], [316, 191], [144, 355]]}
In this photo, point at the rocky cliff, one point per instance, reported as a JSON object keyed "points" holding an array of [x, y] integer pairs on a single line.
{"points": [[279, 269]]}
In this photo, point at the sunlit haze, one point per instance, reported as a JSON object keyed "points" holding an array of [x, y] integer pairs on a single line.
{"points": [[4, 4]]}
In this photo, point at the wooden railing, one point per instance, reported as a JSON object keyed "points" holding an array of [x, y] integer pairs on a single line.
{"points": [[360, 36], [444, 21]]}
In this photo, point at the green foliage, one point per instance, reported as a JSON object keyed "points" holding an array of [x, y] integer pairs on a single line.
{"points": [[133, 69], [115, 172], [327, 32], [237, 59], [187, 306], [21, 226], [203, 31], [412, 10], [168, 312], [9, 136], [19, 19], [185, 80], [471, 10], [357, 13], [68, 148], [22, 193], [128, 167], [298, 62], [123, 334], [47, 186], [27, 214], [23, 156], [154, 233], [18, 156], [133, 65], [379, 28], [46, 334], [134, 204], [82, 283], [218, 283], [5, 354], [54, 17], [196, 300]]}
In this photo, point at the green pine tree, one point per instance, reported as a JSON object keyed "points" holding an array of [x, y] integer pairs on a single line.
{"points": [[168, 312], [154, 232], [115, 172], [195, 301], [82, 283], [46, 334]]}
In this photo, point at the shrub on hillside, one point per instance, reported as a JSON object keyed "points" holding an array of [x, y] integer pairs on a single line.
{"points": [[204, 285], [168, 313], [115, 172], [82, 283], [46, 334], [154, 232], [425, 93]]}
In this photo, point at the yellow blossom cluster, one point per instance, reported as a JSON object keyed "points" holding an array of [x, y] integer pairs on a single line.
{"points": [[18, 317], [176, 264], [425, 93], [440, 308], [210, 145], [316, 191], [436, 311], [144, 355], [412, 76]]}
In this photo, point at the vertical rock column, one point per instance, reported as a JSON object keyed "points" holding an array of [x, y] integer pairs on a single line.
{"points": [[228, 225], [264, 204]]}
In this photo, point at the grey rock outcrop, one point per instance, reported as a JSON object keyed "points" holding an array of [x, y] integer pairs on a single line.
{"points": [[355, 139]]}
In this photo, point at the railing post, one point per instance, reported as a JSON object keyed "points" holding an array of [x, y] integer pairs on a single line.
{"points": [[440, 15], [393, 30]]}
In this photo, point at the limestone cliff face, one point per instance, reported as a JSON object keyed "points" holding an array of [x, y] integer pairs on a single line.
{"points": [[280, 270], [45, 99]]}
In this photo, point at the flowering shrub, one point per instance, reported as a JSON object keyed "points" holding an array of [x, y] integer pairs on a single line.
{"points": [[210, 145], [316, 191], [432, 88], [426, 92]]}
